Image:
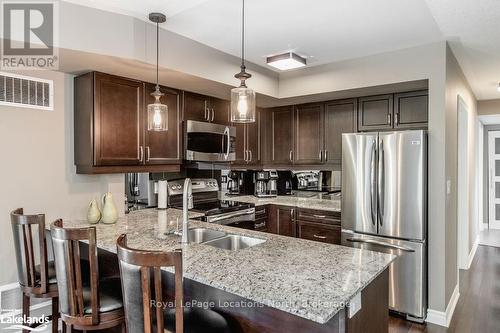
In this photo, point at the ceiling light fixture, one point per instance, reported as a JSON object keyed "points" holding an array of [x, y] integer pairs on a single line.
{"points": [[286, 61], [242, 98], [157, 112]]}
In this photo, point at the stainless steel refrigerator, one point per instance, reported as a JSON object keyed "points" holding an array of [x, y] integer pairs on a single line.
{"points": [[384, 208]]}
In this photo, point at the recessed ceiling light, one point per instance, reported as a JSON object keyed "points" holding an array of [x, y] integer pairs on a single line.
{"points": [[286, 61]]}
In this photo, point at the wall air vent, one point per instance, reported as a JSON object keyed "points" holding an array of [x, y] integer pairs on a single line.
{"points": [[23, 91]]}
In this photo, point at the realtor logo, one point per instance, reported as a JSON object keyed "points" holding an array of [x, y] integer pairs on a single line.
{"points": [[29, 31]]}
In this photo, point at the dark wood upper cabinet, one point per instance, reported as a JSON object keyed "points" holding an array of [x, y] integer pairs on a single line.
{"points": [[411, 110], [308, 129], [253, 135], [164, 147], [219, 111], [196, 107], [375, 113], [340, 117], [110, 126], [204, 108], [248, 142], [118, 118], [280, 135]]}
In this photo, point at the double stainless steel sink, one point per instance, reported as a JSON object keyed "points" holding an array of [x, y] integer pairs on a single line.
{"points": [[222, 240]]}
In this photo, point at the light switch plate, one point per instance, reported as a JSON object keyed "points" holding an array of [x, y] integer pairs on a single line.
{"points": [[355, 305]]}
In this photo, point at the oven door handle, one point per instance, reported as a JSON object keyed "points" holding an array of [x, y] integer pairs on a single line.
{"points": [[231, 215], [228, 148]]}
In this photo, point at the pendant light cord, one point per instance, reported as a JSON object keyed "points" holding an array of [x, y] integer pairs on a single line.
{"points": [[157, 52], [243, 36]]}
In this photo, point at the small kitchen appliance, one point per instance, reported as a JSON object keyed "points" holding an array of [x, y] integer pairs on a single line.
{"points": [[266, 183]]}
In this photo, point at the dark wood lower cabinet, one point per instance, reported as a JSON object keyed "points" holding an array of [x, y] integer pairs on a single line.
{"points": [[310, 224], [282, 221], [318, 232]]}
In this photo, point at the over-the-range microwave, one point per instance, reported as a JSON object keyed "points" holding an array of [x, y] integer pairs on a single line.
{"points": [[209, 142]]}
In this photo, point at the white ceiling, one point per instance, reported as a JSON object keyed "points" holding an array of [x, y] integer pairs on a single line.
{"points": [[332, 30]]}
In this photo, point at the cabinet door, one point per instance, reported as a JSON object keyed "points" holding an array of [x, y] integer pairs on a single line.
{"points": [[308, 134], [281, 220], [219, 111], [195, 107], [340, 117], [281, 135], [241, 141], [163, 147], [411, 110], [253, 140], [375, 113], [319, 232], [118, 121]]}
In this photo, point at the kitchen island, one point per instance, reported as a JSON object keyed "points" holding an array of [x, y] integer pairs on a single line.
{"points": [[281, 285]]}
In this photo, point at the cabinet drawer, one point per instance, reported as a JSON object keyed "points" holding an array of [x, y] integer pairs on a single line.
{"points": [[319, 232], [318, 216]]}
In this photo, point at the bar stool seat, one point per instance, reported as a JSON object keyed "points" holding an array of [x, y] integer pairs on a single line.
{"points": [[110, 296], [51, 273], [196, 320]]}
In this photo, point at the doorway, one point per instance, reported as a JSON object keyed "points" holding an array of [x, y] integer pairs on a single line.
{"points": [[463, 185], [494, 179]]}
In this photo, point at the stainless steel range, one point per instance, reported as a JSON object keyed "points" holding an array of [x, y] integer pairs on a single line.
{"points": [[205, 200]]}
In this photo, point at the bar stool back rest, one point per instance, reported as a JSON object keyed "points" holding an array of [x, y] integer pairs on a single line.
{"points": [[69, 273], [23, 231], [136, 267]]}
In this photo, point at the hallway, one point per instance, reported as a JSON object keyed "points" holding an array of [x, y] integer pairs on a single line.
{"points": [[478, 309]]}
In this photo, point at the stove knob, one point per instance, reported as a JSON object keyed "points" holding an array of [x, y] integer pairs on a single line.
{"points": [[178, 187]]}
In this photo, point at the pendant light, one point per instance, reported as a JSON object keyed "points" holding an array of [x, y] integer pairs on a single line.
{"points": [[157, 112], [242, 98]]}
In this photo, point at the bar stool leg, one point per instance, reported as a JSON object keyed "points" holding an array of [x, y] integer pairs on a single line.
{"points": [[26, 308], [55, 315]]}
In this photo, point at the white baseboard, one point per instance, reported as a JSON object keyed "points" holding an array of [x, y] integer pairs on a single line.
{"points": [[473, 252], [10, 301], [444, 318]]}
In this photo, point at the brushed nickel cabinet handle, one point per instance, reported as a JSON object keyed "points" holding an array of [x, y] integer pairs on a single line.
{"points": [[319, 236], [213, 114], [396, 118], [326, 155], [319, 216], [148, 153], [389, 119], [141, 154], [251, 156], [206, 117], [290, 155]]}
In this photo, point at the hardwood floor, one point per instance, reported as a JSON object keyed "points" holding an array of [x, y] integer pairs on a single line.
{"points": [[478, 309]]}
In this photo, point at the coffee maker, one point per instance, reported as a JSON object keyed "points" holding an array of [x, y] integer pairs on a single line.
{"points": [[266, 183], [235, 182]]}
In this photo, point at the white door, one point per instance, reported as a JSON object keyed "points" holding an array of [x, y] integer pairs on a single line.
{"points": [[494, 179]]}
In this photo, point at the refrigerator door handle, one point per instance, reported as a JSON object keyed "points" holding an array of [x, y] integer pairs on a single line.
{"points": [[381, 182], [373, 195], [374, 242]]}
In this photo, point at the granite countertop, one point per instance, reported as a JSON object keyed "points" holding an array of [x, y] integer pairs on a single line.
{"points": [[309, 279], [290, 200]]}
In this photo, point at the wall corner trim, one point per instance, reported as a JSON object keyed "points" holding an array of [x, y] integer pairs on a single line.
{"points": [[444, 318], [472, 253]]}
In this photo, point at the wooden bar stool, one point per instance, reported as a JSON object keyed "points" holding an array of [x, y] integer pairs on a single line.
{"points": [[136, 268], [85, 303], [36, 280]]}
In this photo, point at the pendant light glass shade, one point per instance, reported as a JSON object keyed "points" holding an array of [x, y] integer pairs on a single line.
{"points": [[242, 98], [157, 113], [242, 105]]}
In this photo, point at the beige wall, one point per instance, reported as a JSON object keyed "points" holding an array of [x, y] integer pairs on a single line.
{"points": [[37, 167], [457, 85], [488, 107]]}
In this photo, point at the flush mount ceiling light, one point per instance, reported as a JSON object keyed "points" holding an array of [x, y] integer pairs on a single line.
{"points": [[286, 61], [157, 112], [242, 98]]}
